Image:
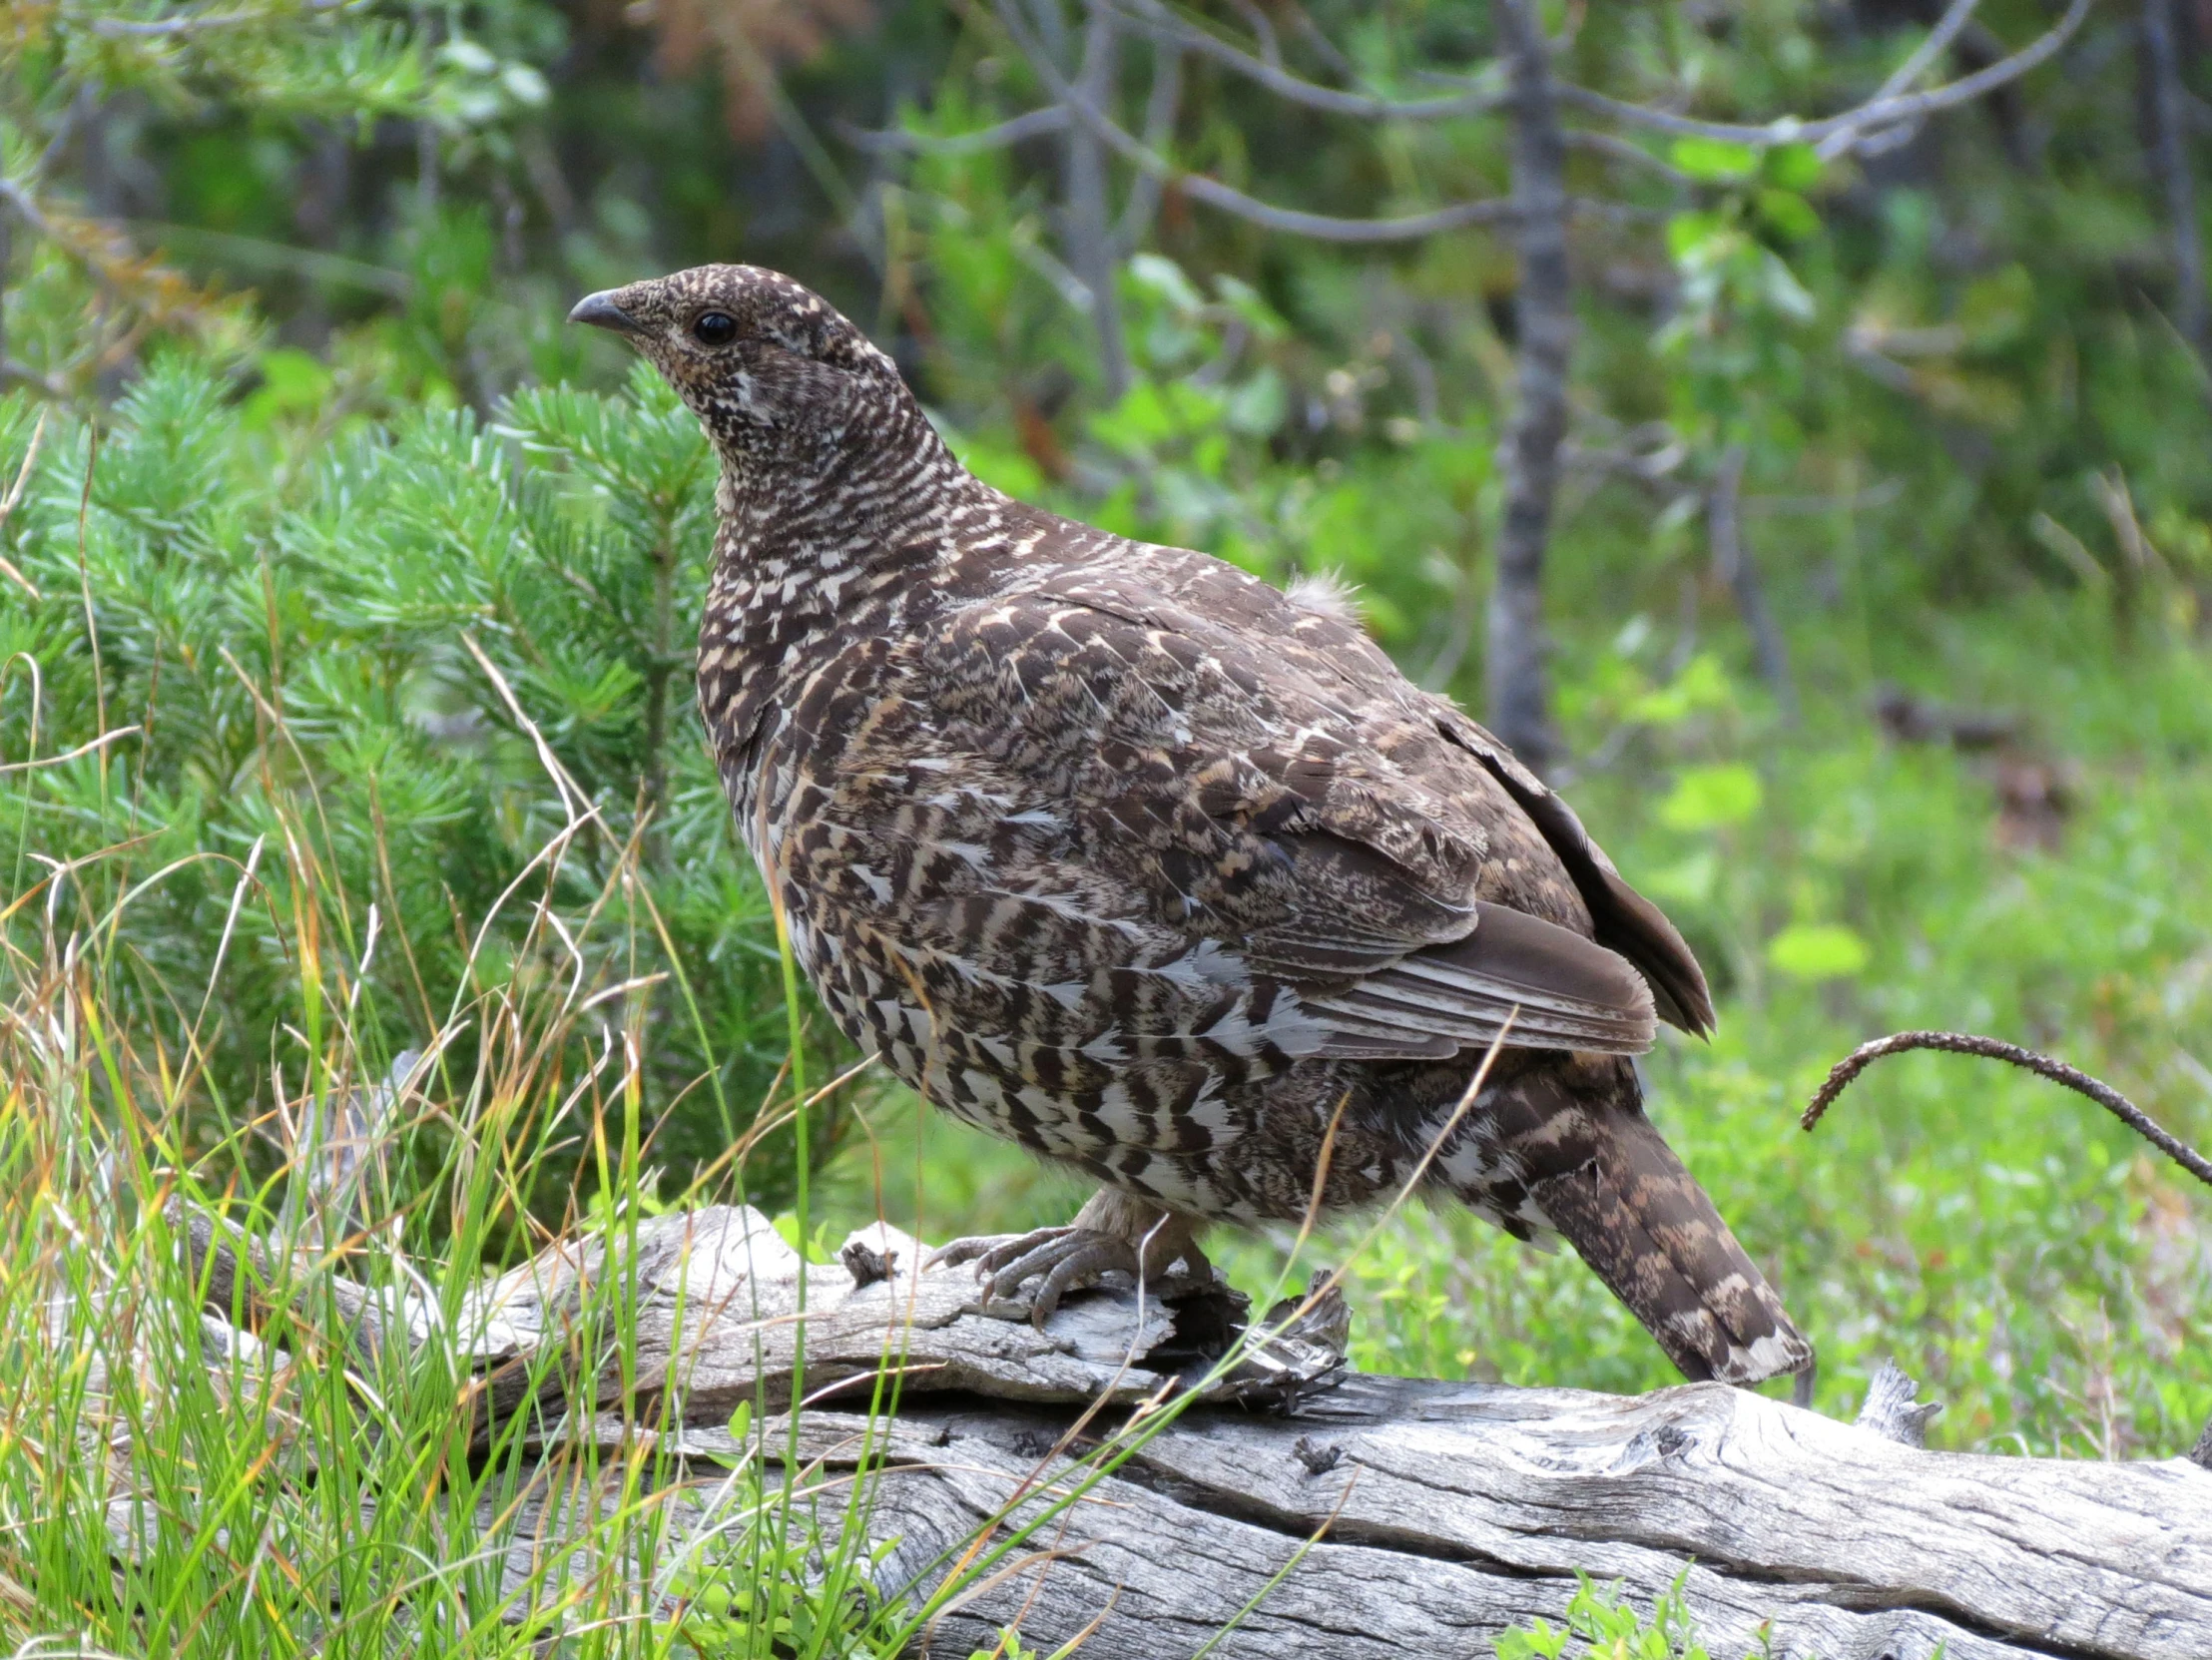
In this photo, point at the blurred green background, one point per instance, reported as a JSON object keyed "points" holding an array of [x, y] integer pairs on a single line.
{"points": [[284, 290]]}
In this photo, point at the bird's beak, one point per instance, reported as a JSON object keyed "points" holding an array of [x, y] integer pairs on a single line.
{"points": [[600, 312]]}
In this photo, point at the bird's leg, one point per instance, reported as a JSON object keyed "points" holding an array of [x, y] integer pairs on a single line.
{"points": [[1111, 1232]]}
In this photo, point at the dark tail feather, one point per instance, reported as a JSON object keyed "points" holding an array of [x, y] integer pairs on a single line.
{"points": [[1641, 1221]]}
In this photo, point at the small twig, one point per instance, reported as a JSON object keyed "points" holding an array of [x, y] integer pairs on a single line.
{"points": [[1019, 129], [1163, 25], [1990, 1049], [1939, 40], [1833, 134], [1199, 187], [1142, 204]]}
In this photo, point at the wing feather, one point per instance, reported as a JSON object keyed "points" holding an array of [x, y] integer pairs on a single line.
{"points": [[1558, 988], [1329, 831]]}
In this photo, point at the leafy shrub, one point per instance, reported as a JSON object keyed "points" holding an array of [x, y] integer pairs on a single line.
{"points": [[1607, 1628], [444, 647]]}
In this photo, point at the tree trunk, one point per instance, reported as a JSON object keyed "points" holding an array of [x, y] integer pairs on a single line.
{"points": [[1519, 693], [2169, 155], [1086, 224]]}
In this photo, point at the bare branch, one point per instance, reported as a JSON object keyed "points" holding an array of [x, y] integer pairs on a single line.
{"points": [[1160, 109], [1838, 132], [1163, 25], [1030, 125], [1939, 41], [1270, 49], [25, 206], [1912, 107], [164, 28], [2043, 1066], [1616, 148], [1198, 188]]}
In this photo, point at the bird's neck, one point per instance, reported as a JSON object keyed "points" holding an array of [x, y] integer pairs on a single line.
{"points": [[827, 493], [849, 535]]}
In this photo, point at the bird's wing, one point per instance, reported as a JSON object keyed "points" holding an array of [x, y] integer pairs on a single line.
{"points": [[1624, 919], [1516, 978], [1228, 801], [1327, 647]]}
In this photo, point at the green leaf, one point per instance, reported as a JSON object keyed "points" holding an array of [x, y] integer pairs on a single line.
{"points": [[1003, 469], [1707, 797], [1690, 235], [291, 382], [1691, 882], [1788, 214], [1794, 167], [1702, 685], [1251, 307], [1714, 161], [1817, 951], [1257, 406], [1161, 275]]}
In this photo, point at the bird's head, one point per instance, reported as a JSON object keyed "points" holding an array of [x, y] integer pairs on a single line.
{"points": [[769, 366]]}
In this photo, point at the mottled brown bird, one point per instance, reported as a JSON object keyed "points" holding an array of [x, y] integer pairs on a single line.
{"points": [[1121, 852]]}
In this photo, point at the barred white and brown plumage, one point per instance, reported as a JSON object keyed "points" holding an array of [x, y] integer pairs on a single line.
{"points": [[1119, 852]]}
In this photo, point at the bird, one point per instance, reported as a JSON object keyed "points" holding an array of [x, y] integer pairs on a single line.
{"points": [[1160, 870]]}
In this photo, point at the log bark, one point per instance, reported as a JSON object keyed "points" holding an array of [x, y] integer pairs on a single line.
{"points": [[1413, 1516]]}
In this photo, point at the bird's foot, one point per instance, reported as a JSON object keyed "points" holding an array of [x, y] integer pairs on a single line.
{"points": [[1077, 1257], [1063, 1259]]}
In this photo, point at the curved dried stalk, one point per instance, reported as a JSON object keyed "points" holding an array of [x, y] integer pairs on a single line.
{"points": [[2043, 1066]]}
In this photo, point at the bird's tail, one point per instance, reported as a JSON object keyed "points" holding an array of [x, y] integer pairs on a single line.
{"points": [[1641, 1221]]}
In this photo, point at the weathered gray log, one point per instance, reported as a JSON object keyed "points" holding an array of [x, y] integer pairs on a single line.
{"points": [[1423, 1516]]}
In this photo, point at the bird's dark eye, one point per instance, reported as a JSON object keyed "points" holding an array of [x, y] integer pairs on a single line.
{"points": [[714, 329]]}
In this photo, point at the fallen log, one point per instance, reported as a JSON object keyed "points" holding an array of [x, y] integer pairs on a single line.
{"points": [[1168, 1475]]}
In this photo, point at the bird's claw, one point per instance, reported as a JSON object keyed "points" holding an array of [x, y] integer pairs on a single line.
{"points": [[1064, 1259]]}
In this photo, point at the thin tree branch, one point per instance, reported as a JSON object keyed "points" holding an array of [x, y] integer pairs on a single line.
{"points": [[1029, 125], [1198, 188], [164, 28], [25, 205], [1616, 148], [1163, 25], [2043, 1066], [1903, 78], [1834, 134], [1271, 48], [1161, 107]]}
